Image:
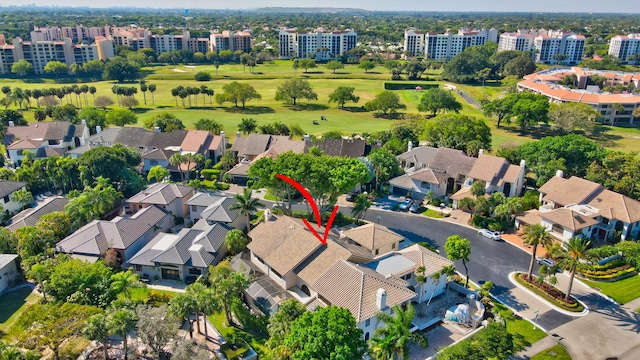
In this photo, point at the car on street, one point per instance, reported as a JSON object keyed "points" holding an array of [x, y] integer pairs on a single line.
{"points": [[352, 195], [405, 204], [415, 207], [545, 261], [493, 235]]}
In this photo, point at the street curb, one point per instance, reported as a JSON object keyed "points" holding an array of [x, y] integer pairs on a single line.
{"points": [[551, 305]]}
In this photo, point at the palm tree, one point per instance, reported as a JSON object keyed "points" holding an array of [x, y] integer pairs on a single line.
{"points": [[571, 256], [152, 89], [96, 329], [23, 197], [182, 305], [381, 348], [421, 278], [448, 271], [177, 160], [617, 109], [247, 125], [246, 204], [436, 280], [535, 235], [121, 322], [236, 241], [144, 88], [361, 205], [397, 330], [190, 158], [123, 281]]}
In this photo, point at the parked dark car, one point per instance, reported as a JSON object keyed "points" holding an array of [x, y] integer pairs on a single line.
{"points": [[352, 195]]}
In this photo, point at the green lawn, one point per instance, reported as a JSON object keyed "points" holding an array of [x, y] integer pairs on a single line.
{"points": [[13, 304], [556, 352], [218, 320], [434, 214], [143, 293], [521, 328], [622, 291], [352, 119]]}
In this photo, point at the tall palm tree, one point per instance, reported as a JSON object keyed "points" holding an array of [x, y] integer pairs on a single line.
{"points": [[182, 305], [23, 197], [421, 278], [123, 281], [571, 256], [361, 205], [535, 235], [617, 109], [381, 348], [152, 89], [397, 330], [246, 204], [121, 322], [436, 280]]}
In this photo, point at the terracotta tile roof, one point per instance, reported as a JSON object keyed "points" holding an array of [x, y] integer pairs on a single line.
{"points": [[422, 256], [322, 259], [616, 206], [564, 192], [529, 217], [372, 236], [429, 176], [568, 219], [159, 154], [488, 168], [24, 144], [354, 287], [194, 140], [465, 192], [283, 243], [564, 94]]}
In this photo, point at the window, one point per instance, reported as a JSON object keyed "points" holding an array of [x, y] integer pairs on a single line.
{"points": [[393, 246], [557, 229], [138, 267], [377, 251], [367, 323], [194, 271], [605, 221]]}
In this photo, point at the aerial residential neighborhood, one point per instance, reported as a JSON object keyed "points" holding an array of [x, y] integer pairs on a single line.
{"points": [[410, 181]]}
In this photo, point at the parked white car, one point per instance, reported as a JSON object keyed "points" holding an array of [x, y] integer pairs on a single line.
{"points": [[405, 204], [493, 235], [545, 261]]}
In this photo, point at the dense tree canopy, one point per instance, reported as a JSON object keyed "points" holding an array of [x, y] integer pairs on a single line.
{"points": [[237, 93], [385, 102], [436, 99], [293, 89], [617, 171], [328, 333], [459, 132], [115, 163]]}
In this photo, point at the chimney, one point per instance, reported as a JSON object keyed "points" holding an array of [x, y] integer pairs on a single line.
{"points": [[410, 145], [83, 122], [11, 123], [307, 138], [381, 299], [480, 152], [98, 129], [156, 129], [560, 173], [224, 142], [523, 163]]}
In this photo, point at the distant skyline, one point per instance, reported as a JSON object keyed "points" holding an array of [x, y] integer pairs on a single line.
{"points": [[578, 6]]}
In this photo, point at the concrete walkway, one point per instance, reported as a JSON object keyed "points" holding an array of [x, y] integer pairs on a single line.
{"points": [[535, 348]]}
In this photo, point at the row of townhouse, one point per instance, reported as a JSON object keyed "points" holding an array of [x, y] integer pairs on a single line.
{"points": [[547, 82], [65, 45], [320, 45]]}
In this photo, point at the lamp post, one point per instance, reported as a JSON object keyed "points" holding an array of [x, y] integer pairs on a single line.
{"points": [[535, 319], [378, 219], [441, 208]]}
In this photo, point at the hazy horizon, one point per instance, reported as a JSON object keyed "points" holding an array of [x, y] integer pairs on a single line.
{"points": [[552, 6]]}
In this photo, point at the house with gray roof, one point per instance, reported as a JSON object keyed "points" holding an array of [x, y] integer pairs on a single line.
{"points": [[30, 217], [183, 256], [44, 139], [125, 234], [7, 188], [8, 271], [296, 265], [215, 209], [170, 197]]}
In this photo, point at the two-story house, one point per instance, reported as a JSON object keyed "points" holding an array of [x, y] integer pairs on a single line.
{"points": [[578, 207], [215, 209], [7, 188], [125, 234], [43, 139], [170, 197], [296, 265]]}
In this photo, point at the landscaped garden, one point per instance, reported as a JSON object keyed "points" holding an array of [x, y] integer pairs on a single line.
{"points": [[550, 293], [614, 270], [622, 291]]}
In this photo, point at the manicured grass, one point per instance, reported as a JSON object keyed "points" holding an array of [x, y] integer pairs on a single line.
{"points": [[434, 214], [523, 329], [13, 304], [143, 293], [556, 352], [218, 320], [622, 291]]}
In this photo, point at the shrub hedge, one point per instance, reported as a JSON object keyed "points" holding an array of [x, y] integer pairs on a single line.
{"points": [[551, 294], [407, 86]]}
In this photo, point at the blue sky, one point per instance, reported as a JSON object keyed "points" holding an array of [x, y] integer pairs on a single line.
{"points": [[623, 6]]}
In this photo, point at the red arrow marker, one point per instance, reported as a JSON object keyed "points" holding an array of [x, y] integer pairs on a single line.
{"points": [[314, 207]]}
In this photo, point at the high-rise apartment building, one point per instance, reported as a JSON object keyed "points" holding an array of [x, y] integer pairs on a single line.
{"points": [[227, 40], [559, 47], [319, 45], [414, 43], [446, 46], [626, 48], [515, 41]]}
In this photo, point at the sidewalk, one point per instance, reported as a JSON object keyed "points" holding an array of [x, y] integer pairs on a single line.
{"points": [[535, 348]]}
